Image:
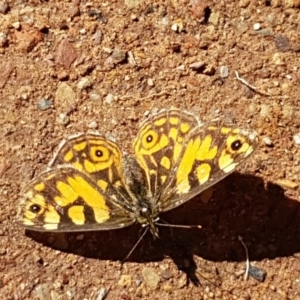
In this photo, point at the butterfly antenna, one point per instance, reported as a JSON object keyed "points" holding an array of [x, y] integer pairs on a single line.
{"points": [[165, 224], [135, 245]]}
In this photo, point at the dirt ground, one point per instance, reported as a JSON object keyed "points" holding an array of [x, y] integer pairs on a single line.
{"points": [[72, 66]]}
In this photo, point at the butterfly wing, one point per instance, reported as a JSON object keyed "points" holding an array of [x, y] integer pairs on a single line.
{"points": [[182, 157], [159, 144], [210, 154], [83, 190]]}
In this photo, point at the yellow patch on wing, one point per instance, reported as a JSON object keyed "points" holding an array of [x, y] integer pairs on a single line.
{"points": [[69, 156], [205, 152], [160, 121], [77, 187], [77, 165], [226, 163], [165, 162], [51, 217], [186, 165], [103, 184], [92, 167], [185, 127], [76, 214], [67, 194], [236, 130], [50, 226], [39, 187], [203, 172], [174, 120], [213, 128], [80, 146], [176, 151], [163, 179], [230, 168], [173, 134], [225, 130]]}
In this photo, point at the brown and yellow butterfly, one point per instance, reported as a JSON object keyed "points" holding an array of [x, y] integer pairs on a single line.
{"points": [[90, 185]]}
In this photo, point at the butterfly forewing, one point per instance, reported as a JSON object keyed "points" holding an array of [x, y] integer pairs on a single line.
{"points": [[101, 159], [158, 145]]}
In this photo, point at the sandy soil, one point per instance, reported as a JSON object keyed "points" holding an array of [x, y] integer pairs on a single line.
{"points": [[68, 67]]}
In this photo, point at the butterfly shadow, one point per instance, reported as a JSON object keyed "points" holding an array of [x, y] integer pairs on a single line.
{"points": [[241, 205]]}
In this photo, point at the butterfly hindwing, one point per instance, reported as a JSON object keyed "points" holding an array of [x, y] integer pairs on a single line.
{"points": [[210, 154], [65, 199], [158, 145]]}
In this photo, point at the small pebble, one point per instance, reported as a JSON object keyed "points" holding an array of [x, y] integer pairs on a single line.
{"points": [[224, 72], [138, 282], [197, 65], [214, 18], [287, 184], [289, 77], [174, 27], [256, 26], [4, 7], [277, 59], [296, 138], [125, 280], [95, 97], [44, 104], [151, 278], [84, 83], [177, 25], [264, 110], [134, 17], [165, 21], [282, 43], [118, 55], [3, 39], [166, 274], [93, 125], [109, 99], [268, 141], [258, 274], [150, 82], [16, 25], [63, 119], [74, 11], [97, 37], [63, 75]]}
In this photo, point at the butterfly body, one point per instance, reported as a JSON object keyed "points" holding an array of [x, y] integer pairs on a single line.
{"points": [[91, 185]]}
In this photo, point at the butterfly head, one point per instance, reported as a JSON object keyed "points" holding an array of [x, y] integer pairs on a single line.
{"points": [[147, 216]]}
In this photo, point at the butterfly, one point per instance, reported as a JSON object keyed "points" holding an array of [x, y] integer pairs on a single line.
{"points": [[90, 185]]}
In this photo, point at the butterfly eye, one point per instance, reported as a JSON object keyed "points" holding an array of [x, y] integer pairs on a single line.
{"points": [[236, 145], [35, 208]]}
